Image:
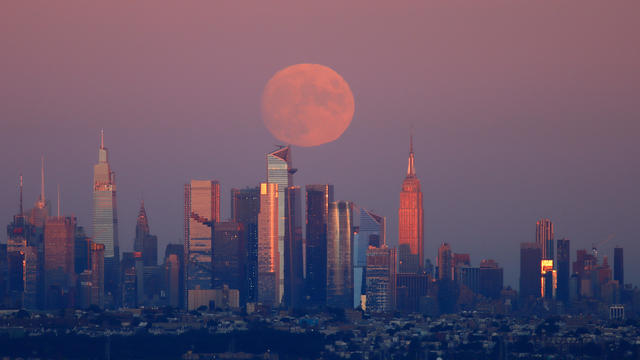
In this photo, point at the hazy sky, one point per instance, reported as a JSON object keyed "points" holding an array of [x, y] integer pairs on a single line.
{"points": [[521, 109]]}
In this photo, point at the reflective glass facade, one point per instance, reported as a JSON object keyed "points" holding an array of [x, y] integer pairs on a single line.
{"points": [[245, 206], [268, 252], [293, 264], [381, 279], [318, 198], [339, 266], [279, 171], [201, 211]]}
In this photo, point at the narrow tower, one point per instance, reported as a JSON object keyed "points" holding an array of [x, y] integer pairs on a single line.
{"points": [[411, 221], [105, 220]]}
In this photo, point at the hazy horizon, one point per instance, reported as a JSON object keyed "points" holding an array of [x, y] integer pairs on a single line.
{"points": [[519, 110]]}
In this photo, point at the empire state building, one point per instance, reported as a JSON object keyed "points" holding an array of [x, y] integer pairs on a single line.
{"points": [[411, 221]]}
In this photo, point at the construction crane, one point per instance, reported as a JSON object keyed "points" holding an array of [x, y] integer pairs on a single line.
{"points": [[594, 249]]}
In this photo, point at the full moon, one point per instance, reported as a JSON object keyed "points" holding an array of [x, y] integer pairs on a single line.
{"points": [[307, 105]]}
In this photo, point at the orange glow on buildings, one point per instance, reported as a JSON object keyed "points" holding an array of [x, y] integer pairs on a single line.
{"points": [[411, 221]]}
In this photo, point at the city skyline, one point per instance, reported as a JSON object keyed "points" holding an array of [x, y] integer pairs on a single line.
{"points": [[512, 123]]}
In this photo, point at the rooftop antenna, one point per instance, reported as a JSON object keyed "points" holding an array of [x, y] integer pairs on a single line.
{"points": [[42, 180], [101, 139], [21, 208], [58, 200]]}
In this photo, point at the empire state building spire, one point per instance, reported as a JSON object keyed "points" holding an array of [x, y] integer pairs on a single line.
{"points": [[411, 170]]}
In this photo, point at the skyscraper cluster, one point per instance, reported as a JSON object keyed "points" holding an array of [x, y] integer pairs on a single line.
{"points": [[281, 246]]}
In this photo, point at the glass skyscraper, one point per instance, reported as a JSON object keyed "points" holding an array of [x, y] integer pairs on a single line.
{"points": [[293, 259], [371, 232], [279, 171], [268, 252], [339, 266], [245, 206], [318, 198], [201, 211], [105, 219]]}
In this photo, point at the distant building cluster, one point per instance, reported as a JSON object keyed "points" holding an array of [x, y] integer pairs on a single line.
{"points": [[286, 246]]}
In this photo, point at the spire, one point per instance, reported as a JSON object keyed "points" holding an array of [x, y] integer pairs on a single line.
{"points": [[411, 170], [101, 139], [58, 200], [21, 208], [42, 180]]}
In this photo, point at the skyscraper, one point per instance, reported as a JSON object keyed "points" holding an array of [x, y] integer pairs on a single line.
{"points": [[618, 266], [381, 279], [445, 262], [201, 211], [411, 221], [544, 237], [268, 252], [245, 206], [530, 256], [279, 171], [491, 279], [105, 219], [97, 274], [293, 260], [174, 274], [339, 266], [371, 232], [59, 275], [318, 198], [229, 256], [563, 261], [144, 242]]}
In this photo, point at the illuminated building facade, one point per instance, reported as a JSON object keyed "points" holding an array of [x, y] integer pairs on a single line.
{"points": [[201, 211], [544, 237], [59, 275], [339, 266], [411, 221], [318, 198], [548, 279], [268, 251], [105, 219], [279, 171]]}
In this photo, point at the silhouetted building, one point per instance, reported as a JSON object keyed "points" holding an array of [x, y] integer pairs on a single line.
{"points": [[97, 274], [339, 267], [530, 256], [563, 264], [174, 274], [293, 256], [228, 256], [618, 265], [201, 211], [268, 255], [445, 262], [105, 220], [59, 276], [81, 251], [245, 206], [544, 237], [381, 279], [371, 231], [318, 198], [144, 242], [410, 288], [469, 277], [410, 221], [129, 280], [491, 279], [280, 171]]}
